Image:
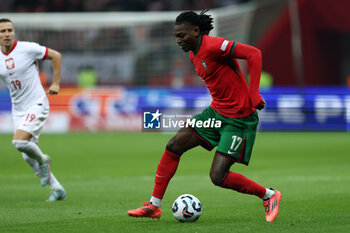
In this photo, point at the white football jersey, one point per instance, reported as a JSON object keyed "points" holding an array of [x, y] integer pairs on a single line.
{"points": [[19, 71]]}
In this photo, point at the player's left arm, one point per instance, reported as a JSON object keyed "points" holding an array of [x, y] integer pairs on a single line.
{"points": [[56, 59], [254, 59]]}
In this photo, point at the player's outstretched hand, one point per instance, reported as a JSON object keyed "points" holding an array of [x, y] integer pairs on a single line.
{"points": [[261, 105], [258, 102], [54, 89]]}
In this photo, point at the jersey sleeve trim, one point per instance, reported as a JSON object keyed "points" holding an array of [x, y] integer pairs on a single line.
{"points": [[230, 59], [46, 52], [232, 49]]}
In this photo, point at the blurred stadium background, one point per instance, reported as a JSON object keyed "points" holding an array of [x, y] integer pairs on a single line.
{"points": [[120, 56]]}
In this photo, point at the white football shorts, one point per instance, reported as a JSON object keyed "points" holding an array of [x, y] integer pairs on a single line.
{"points": [[33, 120]]}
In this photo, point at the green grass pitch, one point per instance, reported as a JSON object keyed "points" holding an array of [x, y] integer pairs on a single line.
{"points": [[106, 174]]}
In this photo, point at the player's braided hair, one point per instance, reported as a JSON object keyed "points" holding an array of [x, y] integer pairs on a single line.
{"points": [[203, 21]]}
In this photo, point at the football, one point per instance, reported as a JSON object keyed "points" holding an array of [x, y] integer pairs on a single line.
{"points": [[187, 208]]}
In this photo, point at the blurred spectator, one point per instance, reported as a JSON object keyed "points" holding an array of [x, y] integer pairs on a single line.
{"points": [[178, 73], [182, 74], [7, 5], [87, 77], [266, 80], [110, 5]]}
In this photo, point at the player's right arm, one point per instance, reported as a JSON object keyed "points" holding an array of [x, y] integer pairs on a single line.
{"points": [[253, 57], [56, 59]]}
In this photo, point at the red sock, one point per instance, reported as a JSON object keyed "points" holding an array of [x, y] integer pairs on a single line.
{"points": [[242, 184], [165, 171]]}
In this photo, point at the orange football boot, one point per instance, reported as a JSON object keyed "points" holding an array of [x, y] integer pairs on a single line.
{"points": [[147, 210], [271, 206]]}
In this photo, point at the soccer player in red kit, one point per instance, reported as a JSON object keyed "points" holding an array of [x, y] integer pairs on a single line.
{"points": [[234, 105]]}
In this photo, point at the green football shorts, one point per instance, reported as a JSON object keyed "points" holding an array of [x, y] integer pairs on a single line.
{"points": [[234, 137]]}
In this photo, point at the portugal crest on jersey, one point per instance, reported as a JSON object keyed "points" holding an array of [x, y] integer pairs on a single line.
{"points": [[10, 64]]}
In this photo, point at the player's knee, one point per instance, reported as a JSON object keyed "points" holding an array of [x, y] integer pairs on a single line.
{"points": [[174, 147], [170, 143], [216, 178], [20, 145]]}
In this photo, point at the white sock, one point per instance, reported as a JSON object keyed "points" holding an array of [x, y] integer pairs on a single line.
{"points": [[156, 201], [269, 193], [32, 163], [54, 184], [31, 149]]}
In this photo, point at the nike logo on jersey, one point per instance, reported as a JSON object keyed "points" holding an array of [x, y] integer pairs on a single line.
{"points": [[231, 152], [11, 73]]}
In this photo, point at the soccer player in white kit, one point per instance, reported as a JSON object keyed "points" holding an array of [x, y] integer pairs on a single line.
{"points": [[30, 106]]}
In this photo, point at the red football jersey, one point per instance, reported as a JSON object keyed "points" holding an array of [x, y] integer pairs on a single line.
{"points": [[215, 63]]}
